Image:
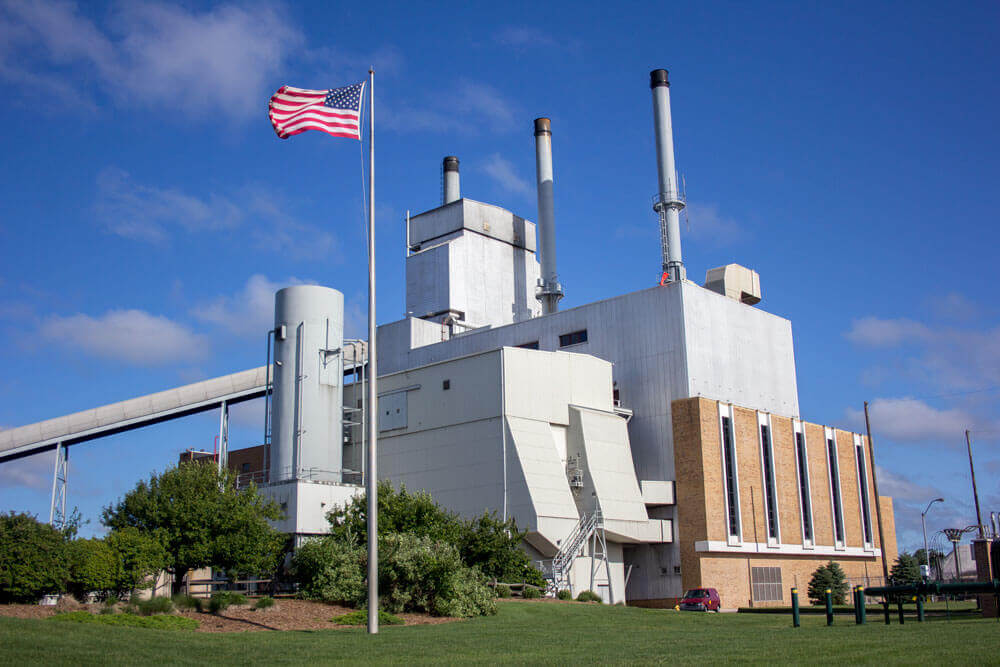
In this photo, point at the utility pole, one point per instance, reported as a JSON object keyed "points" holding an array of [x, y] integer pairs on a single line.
{"points": [[878, 503], [975, 492]]}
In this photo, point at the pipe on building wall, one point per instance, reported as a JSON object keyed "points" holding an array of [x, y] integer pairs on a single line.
{"points": [[549, 290], [452, 186], [669, 199]]}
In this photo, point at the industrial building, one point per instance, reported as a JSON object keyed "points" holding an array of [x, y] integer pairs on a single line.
{"points": [[648, 443]]}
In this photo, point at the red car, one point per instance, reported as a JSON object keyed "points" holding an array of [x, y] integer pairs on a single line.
{"points": [[700, 599]]}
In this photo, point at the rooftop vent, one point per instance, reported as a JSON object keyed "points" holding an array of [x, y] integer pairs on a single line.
{"points": [[735, 281]]}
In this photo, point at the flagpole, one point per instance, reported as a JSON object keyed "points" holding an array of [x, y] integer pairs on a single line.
{"points": [[371, 479]]}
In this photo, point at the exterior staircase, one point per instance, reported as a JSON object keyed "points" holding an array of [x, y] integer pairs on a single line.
{"points": [[557, 570]]}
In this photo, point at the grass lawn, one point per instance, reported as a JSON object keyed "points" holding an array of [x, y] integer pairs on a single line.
{"points": [[523, 632]]}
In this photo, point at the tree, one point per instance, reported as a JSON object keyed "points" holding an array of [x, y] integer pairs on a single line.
{"points": [[201, 519], [93, 568], [829, 576], [32, 558], [906, 570], [487, 543]]}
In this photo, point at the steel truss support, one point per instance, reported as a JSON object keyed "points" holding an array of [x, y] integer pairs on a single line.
{"points": [[599, 555], [223, 436], [57, 510]]}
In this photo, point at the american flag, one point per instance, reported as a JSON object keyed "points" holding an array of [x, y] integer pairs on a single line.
{"points": [[335, 111]]}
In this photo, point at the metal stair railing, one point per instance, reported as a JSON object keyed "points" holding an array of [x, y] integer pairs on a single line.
{"points": [[563, 560]]}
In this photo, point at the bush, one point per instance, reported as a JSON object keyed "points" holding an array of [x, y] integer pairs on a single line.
{"points": [[182, 601], [222, 600], [501, 591], [828, 576], [530, 593], [331, 570], [264, 603], [360, 617], [486, 543], [129, 620], [32, 559], [93, 568], [421, 574], [158, 605], [565, 594], [588, 596]]}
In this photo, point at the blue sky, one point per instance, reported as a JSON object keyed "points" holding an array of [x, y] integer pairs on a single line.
{"points": [[849, 154]]}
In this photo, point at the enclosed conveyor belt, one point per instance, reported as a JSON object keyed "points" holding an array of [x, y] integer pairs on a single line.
{"points": [[133, 413]]}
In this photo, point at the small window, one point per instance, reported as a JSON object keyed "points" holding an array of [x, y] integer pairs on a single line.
{"points": [[838, 513], [574, 338], [245, 467], [803, 469], [766, 584], [533, 345], [866, 515], [446, 385]]}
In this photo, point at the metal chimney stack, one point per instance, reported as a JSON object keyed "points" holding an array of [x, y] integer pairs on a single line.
{"points": [[452, 191], [669, 200], [549, 290]]}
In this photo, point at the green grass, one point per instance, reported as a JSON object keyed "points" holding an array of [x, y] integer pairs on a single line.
{"points": [[158, 622], [524, 632], [360, 617]]}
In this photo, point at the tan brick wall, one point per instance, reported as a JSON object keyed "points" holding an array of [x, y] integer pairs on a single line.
{"points": [[786, 480], [819, 484], [701, 501], [730, 575]]}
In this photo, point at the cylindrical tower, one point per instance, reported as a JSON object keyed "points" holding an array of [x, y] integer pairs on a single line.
{"points": [[669, 200], [452, 189], [307, 432], [549, 290]]}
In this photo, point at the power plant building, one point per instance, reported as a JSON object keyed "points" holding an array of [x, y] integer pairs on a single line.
{"points": [[648, 443]]}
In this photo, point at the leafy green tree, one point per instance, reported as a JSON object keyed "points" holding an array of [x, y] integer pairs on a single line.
{"points": [[487, 543], [32, 558], [202, 520], [829, 576], [140, 558], [93, 568], [906, 570]]}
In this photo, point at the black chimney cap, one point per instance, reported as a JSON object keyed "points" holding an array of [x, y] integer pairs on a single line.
{"points": [[543, 126], [658, 77], [451, 163]]}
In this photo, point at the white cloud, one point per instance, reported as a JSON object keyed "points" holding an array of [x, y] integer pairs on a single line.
{"points": [[707, 224], [909, 420], [520, 37], [249, 312], [129, 336], [32, 472], [200, 63], [276, 229], [145, 213], [902, 489], [879, 332], [469, 108], [504, 174]]}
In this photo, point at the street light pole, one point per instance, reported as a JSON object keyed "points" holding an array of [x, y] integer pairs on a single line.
{"points": [[923, 525]]}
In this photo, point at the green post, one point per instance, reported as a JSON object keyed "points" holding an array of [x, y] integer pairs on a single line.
{"points": [[829, 607], [795, 608], [920, 608], [856, 594], [862, 604], [899, 604]]}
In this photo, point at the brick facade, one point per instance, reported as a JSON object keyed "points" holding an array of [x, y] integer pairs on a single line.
{"points": [[710, 557]]}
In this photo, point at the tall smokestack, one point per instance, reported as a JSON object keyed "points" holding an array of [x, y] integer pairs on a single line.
{"points": [[669, 200], [549, 290], [452, 191]]}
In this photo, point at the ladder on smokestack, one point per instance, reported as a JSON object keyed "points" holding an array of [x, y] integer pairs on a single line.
{"points": [[562, 562]]}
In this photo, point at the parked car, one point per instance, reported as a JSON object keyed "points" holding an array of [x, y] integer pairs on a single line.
{"points": [[700, 599]]}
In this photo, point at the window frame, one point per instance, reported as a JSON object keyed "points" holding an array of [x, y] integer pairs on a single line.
{"points": [[572, 338], [864, 505], [836, 489], [804, 483], [726, 414], [772, 511]]}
